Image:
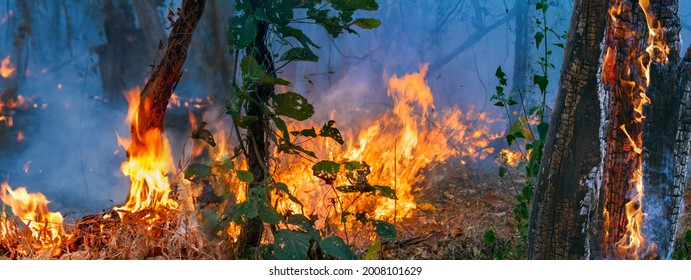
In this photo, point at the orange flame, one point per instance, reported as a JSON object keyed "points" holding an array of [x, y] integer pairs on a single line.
{"points": [[150, 160], [634, 244], [413, 136], [32, 210], [10, 104], [5, 68]]}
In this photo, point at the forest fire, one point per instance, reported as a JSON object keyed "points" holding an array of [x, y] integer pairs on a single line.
{"points": [[403, 142], [32, 209], [10, 104], [149, 162], [629, 83], [5, 68]]}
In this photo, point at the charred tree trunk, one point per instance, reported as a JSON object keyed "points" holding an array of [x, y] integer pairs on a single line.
{"points": [[621, 195], [159, 88], [257, 144], [19, 52], [567, 174]]}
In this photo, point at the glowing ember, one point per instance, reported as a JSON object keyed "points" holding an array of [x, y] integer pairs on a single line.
{"points": [[5, 68], [9, 104], [413, 136], [32, 210], [150, 161], [20, 137]]}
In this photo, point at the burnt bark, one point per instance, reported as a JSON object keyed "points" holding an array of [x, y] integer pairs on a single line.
{"points": [[589, 190], [19, 55], [566, 186], [154, 98]]}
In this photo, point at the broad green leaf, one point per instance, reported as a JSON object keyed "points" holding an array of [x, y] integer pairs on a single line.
{"points": [[489, 237], [234, 108], [287, 31], [384, 229], [244, 121], [328, 130], [282, 127], [367, 23], [326, 170], [273, 81], [305, 132], [353, 165], [249, 66], [197, 169], [299, 54], [542, 130], [304, 224], [541, 82], [501, 76], [384, 191], [291, 245], [335, 246], [245, 176], [269, 215], [292, 105], [242, 31], [502, 172], [538, 38]]}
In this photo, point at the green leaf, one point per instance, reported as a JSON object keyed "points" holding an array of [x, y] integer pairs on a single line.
{"points": [[367, 23], [374, 251], [282, 127], [335, 246], [291, 245], [260, 14], [384, 229], [197, 169], [353, 165], [541, 81], [203, 134], [292, 105], [501, 76], [304, 224], [367, 5], [244, 121], [284, 188], [538, 39], [245, 176], [269, 215], [328, 130], [249, 66], [272, 81], [287, 31], [326, 170], [242, 31], [542, 130], [299, 54], [305, 132], [384, 191], [234, 108], [502, 172]]}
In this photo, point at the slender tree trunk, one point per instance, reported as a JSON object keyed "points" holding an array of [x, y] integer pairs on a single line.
{"points": [[522, 64], [19, 52], [159, 88], [257, 145], [567, 175]]}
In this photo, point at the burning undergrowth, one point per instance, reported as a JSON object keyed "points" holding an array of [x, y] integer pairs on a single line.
{"points": [[170, 215]]}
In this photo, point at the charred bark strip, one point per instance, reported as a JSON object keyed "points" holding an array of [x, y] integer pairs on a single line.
{"points": [[154, 97], [660, 134], [681, 144], [566, 190]]}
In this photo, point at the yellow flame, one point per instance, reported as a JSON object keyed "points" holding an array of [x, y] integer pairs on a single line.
{"points": [[150, 160], [5, 68], [32, 210], [10, 104]]}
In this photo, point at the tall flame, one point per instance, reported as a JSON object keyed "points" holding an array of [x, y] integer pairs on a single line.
{"points": [[150, 160], [402, 142], [32, 210], [634, 244]]}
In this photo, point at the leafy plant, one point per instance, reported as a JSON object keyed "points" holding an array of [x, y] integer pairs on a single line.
{"points": [[521, 134], [261, 34], [682, 248]]}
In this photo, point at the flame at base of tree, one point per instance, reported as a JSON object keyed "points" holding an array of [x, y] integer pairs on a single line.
{"points": [[625, 70], [149, 163]]}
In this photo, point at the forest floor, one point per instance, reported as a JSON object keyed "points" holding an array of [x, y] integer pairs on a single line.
{"points": [[468, 201]]}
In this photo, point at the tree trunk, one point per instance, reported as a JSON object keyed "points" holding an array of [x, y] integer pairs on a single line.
{"points": [[566, 183], [257, 145], [522, 64], [19, 55], [159, 88], [620, 193]]}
